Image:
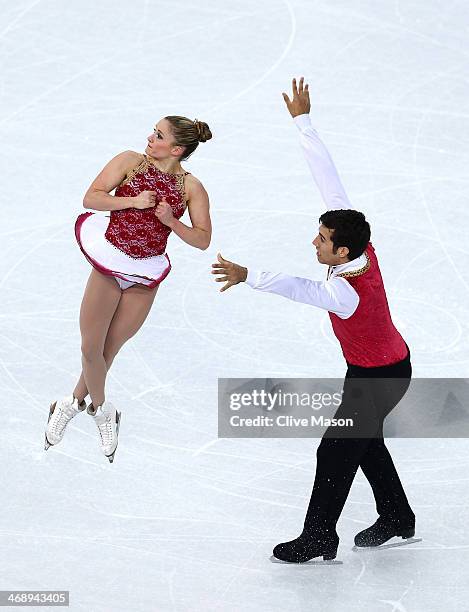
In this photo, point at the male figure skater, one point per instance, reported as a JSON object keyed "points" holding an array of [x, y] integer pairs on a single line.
{"points": [[378, 359]]}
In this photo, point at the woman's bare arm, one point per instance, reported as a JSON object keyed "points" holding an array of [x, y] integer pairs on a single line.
{"points": [[199, 235], [114, 172]]}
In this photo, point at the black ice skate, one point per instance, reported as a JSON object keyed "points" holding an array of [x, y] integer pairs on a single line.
{"points": [[307, 547], [383, 530]]}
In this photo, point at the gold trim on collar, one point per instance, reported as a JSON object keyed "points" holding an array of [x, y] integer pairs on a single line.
{"points": [[135, 170], [144, 164], [360, 271]]}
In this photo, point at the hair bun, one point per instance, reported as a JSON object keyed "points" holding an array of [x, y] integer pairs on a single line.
{"points": [[203, 131]]}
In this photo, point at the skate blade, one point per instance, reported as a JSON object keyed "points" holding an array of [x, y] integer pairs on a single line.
{"points": [[314, 561], [47, 444], [51, 411], [118, 419], [392, 545]]}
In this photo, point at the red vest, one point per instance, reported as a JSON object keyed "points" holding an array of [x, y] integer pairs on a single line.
{"points": [[368, 338]]}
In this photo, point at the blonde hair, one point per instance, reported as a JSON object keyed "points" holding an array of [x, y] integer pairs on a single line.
{"points": [[188, 133]]}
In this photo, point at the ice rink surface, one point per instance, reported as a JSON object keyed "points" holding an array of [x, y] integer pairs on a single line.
{"points": [[183, 521]]}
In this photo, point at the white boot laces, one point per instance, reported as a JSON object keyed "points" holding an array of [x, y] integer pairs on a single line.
{"points": [[59, 423], [105, 431]]}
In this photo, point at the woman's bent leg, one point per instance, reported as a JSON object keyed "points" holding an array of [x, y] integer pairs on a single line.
{"points": [[99, 304], [133, 308]]}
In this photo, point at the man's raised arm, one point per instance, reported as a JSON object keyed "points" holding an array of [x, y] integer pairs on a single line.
{"points": [[319, 161]]}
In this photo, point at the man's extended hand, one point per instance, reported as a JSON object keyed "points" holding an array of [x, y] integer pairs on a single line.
{"points": [[300, 103], [232, 273]]}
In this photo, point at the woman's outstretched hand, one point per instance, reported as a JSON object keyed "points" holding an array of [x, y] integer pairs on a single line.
{"points": [[231, 272], [300, 104]]}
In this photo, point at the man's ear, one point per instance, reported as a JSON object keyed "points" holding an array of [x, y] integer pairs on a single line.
{"points": [[343, 251]]}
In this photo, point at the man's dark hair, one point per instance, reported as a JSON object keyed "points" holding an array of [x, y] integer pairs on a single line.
{"points": [[351, 230]]}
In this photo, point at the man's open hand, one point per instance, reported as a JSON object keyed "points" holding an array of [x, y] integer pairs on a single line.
{"points": [[300, 103], [231, 272]]}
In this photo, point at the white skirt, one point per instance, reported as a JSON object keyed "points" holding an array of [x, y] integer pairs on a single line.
{"points": [[106, 258]]}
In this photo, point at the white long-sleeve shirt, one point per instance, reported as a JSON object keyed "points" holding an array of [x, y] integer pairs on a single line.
{"points": [[335, 294]]}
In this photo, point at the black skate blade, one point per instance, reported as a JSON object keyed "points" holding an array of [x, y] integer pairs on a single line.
{"points": [[315, 561], [383, 546]]}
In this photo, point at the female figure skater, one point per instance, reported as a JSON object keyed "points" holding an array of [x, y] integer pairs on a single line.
{"points": [[127, 251]]}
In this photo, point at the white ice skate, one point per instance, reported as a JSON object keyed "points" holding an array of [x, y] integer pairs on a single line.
{"points": [[60, 413], [107, 420]]}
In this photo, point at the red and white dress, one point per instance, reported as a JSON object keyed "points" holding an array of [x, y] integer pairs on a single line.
{"points": [[130, 244]]}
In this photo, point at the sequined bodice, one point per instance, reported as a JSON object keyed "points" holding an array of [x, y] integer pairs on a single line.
{"points": [[139, 233]]}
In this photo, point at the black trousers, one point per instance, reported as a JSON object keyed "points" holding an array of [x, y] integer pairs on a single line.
{"points": [[369, 395]]}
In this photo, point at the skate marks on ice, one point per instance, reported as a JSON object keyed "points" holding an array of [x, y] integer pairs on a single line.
{"points": [[310, 562], [383, 546]]}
